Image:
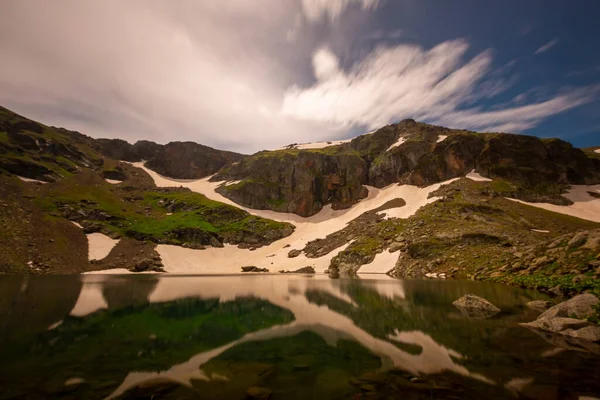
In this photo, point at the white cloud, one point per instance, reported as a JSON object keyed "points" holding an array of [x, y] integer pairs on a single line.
{"points": [[547, 46], [408, 82], [184, 70], [315, 10]]}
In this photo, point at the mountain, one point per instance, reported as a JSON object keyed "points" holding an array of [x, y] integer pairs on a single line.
{"points": [[409, 199], [303, 181]]}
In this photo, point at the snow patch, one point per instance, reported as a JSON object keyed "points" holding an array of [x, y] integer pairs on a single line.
{"points": [[398, 143], [77, 224], [381, 264], [584, 205], [99, 245], [540, 231], [29, 180], [441, 138], [597, 151], [474, 176], [113, 181]]}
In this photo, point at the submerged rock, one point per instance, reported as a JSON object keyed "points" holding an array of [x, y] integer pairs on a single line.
{"points": [[476, 307], [539, 305]]}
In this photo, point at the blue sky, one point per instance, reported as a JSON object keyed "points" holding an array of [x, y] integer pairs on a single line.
{"points": [[247, 75], [515, 30]]}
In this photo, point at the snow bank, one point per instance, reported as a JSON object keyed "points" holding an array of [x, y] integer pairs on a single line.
{"points": [[100, 245], [584, 205], [398, 143], [113, 181], [474, 176]]}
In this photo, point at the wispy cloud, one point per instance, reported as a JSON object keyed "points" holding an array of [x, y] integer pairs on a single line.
{"points": [[547, 46], [409, 82], [315, 10]]}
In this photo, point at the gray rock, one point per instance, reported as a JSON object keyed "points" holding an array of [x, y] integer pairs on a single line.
{"points": [[394, 247], [564, 325], [581, 306], [294, 253], [539, 305], [578, 240], [476, 307]]}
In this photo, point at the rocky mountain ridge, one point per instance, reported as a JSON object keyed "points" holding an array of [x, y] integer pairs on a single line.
{"points": [[303, 181]]}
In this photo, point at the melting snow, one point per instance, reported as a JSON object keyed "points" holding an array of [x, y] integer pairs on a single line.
{"points": [[30, 180], [100, 245], [398, 143], [584, 205], [474, 176]]}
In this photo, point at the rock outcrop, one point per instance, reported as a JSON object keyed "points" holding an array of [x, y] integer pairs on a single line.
{"points": [[300, 182], [181, 160]]}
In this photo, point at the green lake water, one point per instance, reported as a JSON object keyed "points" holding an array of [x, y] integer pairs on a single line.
{"points": [[275, 336]]}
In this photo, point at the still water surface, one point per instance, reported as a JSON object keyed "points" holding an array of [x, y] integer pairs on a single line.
{"points": [[279, 337]]}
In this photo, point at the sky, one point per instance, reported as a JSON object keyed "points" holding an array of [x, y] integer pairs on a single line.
{"points": [[246, 75]]}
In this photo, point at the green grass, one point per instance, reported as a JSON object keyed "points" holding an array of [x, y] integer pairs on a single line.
{"points": [[501, 186]]}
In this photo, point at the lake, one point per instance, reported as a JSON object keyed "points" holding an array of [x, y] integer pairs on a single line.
{"points": [[275, 336]]}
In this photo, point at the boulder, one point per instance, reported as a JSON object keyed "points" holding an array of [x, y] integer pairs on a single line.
{"points": [[539, 305], [581, 306], [578, 240], [476, 307], [394, 247], [564, 325]]}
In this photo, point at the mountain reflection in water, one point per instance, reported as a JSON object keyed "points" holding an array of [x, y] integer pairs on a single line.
{"points": [[294, 336]]}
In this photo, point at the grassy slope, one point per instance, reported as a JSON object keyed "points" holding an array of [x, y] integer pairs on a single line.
{"points": [[32, 215]]}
